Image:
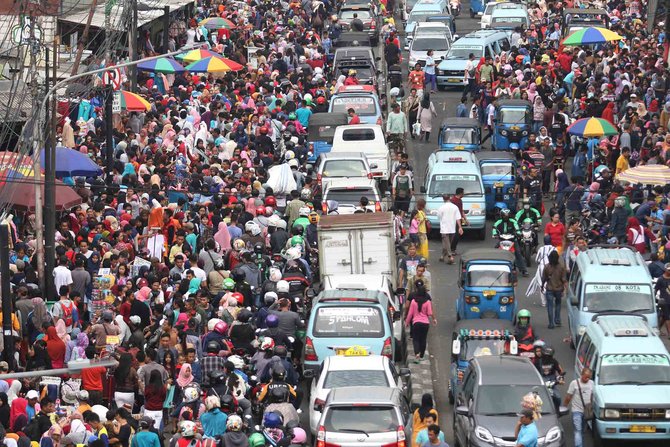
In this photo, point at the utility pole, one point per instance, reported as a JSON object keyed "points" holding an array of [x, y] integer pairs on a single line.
{"points": [[7, 304], [50, 178], [132, 45], [166, 29], [109, 112], [82, 43]]}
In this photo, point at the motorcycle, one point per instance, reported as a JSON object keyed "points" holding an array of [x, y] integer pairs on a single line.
{"points": [[507, 242], [528, 239], [314, 261], [550, 382]]}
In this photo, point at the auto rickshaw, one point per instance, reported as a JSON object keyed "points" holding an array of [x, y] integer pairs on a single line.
{"points": [[476, 338], [459, 134], [477, 8], [513, 120], [499, 176], [321, 131], [487, 280]]}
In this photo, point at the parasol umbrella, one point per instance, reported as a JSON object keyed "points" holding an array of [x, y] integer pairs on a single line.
{"points": [[214, 64], [646, 175], [591, 36], [165, 65], [217, 23], [14, 164], [592, 127], [132, 102], [72, 163], [19, 192], [196, 55]]}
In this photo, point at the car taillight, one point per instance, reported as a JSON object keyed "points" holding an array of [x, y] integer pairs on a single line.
{"points": [[370, 175], [319, 403], [373, 25], [387, 351], [401, 436], [379, 121], [324, 208], [321, 436], [378, 206], [319, 177], [310, 353]]}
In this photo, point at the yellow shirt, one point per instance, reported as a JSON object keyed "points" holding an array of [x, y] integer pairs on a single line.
{"points": [[621, 164]]}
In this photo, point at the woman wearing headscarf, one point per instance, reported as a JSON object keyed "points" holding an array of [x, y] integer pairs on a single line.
{"points": [[419, 317], [93, 263], [592, 195], [78, 433], [418, 418], [608, 113], [18, 408], [222, 237], [61, 330], [538, 112], [4, 411], [55, 348], [37, 318], [561, 183], [52, 437], [14, 391], [636, 233]]}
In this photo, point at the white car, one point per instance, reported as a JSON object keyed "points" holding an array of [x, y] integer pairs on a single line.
{"points": [[357, 369], [418, 50], [491, 6]]}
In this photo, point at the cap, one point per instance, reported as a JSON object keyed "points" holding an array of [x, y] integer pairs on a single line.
{"points": [[526, 412], [32, 394], [4, 366], [135, 319], [633, 95]]}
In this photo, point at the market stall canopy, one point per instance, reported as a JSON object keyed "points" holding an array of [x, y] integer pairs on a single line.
{"points": [[592, 127], [646, 175], [591, 36], [72, 163], [19, 193]]}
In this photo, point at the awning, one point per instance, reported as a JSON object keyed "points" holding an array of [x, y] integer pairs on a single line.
{"points": [[144, 14]]}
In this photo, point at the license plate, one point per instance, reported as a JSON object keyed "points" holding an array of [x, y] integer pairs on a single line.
{"points": [[642, 429], [454, 81], [503, 308]]}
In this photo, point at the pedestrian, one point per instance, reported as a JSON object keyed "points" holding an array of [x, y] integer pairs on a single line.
{"points": [[457, 199], [420, 416], [431, 79], [662, 289], [554, 281], [423, 228], [469, 77], [425, 116], [526, 430], [434, 437], [583, 387], [417, 80], [423, 437], [397, 127], [450, 224], [419, 317], [411, 106], [556, 230], [542, 259], [401, 189]]}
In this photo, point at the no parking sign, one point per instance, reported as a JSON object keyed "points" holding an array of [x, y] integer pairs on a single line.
{"points": [[112, 77]]}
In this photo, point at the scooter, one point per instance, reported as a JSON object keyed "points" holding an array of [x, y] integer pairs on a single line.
{"points": [[527, 240], [506, 242]]}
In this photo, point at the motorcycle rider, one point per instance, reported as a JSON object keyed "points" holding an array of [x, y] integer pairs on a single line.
{"points": [[272, 330], [528, 212], [303, 219], [262, 261], [211, 362], [550, 370], [311, 230], [619, 220], [278, 234], [524, 333], [507, 225], [278, 380]]}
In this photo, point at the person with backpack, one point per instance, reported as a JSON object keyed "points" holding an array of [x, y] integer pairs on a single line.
{"points": [[41, 423], [65, 309]]}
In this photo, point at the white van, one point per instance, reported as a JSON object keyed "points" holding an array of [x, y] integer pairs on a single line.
{"points": [[369, 139]]}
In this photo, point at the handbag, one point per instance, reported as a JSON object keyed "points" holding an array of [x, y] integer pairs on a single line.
{"points": [[588, 408], [416, 129]]}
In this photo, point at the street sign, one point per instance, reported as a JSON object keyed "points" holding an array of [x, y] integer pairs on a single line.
{"points": [[112, 77], [116, 103]]}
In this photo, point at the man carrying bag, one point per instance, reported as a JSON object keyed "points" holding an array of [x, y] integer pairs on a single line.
{"points": [[582, 407]]}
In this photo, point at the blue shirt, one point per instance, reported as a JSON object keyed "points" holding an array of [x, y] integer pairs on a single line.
{"points": [[422, 437], [303, 114], [528, 435], [145, 438], [235, 232], [214, 423]]}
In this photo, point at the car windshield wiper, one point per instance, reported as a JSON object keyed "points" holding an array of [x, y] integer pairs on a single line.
{"points": [[354, 430], [623, 382], [472, 194], [507, 413], [656, 382], [605, 310], [646, 309]]}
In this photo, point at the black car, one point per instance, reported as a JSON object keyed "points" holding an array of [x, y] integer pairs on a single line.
{"points": [[489, 399]]}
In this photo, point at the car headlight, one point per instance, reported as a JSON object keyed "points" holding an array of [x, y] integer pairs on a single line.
{"points": [[524, 133], [611, 413], [483, 434], [510, 191], [553, 435], [581, 330], [504, 300], [503, 133]]}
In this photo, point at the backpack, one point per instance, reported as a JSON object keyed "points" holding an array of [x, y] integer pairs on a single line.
{"points": [[67, 314]]}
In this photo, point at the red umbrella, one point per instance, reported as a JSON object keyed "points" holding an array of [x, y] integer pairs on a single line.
{"points": [[19, 192]]}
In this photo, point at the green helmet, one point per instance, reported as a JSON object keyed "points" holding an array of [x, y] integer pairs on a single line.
{"points": [[228, 284], [296, 240], [291, 116], [523, 313], [256, 440]]}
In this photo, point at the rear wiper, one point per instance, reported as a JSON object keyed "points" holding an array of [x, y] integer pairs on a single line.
{"points": [[354, 430], [655, 382]]}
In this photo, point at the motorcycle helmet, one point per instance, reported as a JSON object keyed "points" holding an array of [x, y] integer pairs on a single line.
{"points": [[244, 316], [191, 392], [239, 297], [254, 228], [280, 351], [278, 372], [281, 223], [228, 403], [395, 91], [259, 249], [270, 298], [237, 361], [299, 436], [213, 347], [313, 218], [260, 211], [278, 395], [221, 327], [275, 274], [548, 351], [505, 212], [238, 275], [272, 420], [187, 429], [229, 284], [267, 343], [523, 317], [256, 440], [303, 211], [238, 245], [293, 253], [272, 321], [282, 286], [289, 155], [234, 423], [271, 201], [269, 211], [305, 195], [620, 202], [212, 323], [273, 220], [296, 241], [293, 163], [217, 377]]}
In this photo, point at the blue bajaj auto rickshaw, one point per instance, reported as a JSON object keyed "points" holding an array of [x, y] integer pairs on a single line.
{"points": [[477, 8], [321, 131], [513, 119], [487, 281], [476, 338], [499, 176], [460, 134]]}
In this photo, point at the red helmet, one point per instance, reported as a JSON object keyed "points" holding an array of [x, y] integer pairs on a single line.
{"points": [[260, 211], [271, 201], [221, 327], [320, 100], [264, 130], [239, 297]]}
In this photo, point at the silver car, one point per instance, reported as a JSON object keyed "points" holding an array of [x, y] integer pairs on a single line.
{"points": [[365, 415]]}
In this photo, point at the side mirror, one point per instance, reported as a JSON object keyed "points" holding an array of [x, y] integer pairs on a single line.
{"points": [[441, 57], [308, 374], [563, 410], [574, 301], [462, 410], [423, 190], [456, 347], [405, 372], [318, 407], [397, 315], [514, 347], [456, 36]]}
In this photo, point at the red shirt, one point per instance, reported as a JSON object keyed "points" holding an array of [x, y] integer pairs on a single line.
{"points": [[355, 120], [91, 378], [556, 232]]}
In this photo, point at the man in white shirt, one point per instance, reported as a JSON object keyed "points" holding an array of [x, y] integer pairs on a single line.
{"points": [[62, 274], [450, 222], [469, 76]]}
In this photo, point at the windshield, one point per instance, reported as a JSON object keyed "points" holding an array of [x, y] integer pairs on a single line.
{"points": [[476, 347], [640, 369], [620, 298], [420, 16], [497, 400], [463, 53], [348, 14], [350, 321], [499, 169], [434, 43], [339, 379], [489, 276], [350, 196], [363, 105], [513, 116], [344, 168], [447, 184], [361, 419], [458, 136]]}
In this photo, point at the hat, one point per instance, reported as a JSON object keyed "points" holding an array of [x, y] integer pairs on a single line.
{"points": [[526, 412], [4, 366], [82, 395], [633, 95], [135, 319], [32, 394]]}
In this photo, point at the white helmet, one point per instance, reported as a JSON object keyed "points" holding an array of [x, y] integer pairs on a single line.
{"points": [[395, 91], [289, 155], [304, 211], [237, 361], [191, 393], [273, 220], [281, 224], [238, 244], [249, 225], [275, 274], [267, 343], [234, 423], [293, 253], [211, 323], [282, 286], [187, 428], [293, 163]]}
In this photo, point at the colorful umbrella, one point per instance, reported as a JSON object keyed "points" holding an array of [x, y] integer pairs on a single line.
{"points": [[213, 64], [592, 127], [132, 102], [217, 23], [646, 175], [591, 36], [71, 163], [196, 55], [162, 65]]}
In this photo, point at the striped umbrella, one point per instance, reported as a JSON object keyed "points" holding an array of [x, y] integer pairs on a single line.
{"points": [[591, 36], [217, 23], [646, 175], [214, 64], [163, 65], [196, 55], [132, 102], [592, 127]]}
